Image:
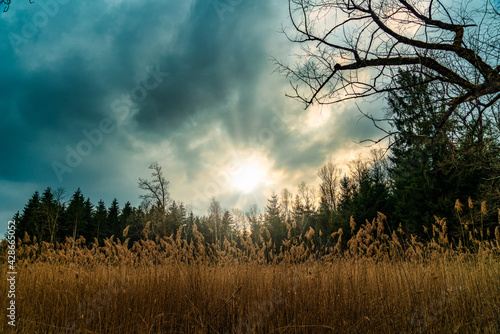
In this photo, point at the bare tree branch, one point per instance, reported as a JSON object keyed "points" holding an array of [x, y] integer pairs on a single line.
{"points": [[351, 49], [157, 188]]}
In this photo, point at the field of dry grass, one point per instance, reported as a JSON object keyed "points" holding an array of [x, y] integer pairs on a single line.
{"points": [[378, 283]]}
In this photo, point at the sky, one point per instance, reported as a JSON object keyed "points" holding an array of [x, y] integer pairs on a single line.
{"points": [[94, 92]]}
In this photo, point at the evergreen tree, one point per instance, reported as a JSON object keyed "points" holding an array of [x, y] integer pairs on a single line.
{"points": [[76, 214], [347, 189], [227, 225], [254, 222], [124, 218], [88, 231], [137, 221], [474, 167], [30, 219], [372, 193], [204, 227], [113, 221], [273, 220], [429, 173], [298, 214], [51, 211], [325, 220], [100, 219], [174, 219], [16, 218]]}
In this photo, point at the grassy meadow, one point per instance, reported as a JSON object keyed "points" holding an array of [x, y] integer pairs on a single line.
{"points": [[376, 282]]}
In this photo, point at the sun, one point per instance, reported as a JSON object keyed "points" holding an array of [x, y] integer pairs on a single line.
{"points": [[248, 176]]}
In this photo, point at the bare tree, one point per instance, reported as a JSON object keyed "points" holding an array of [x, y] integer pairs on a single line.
{"points": [[156, 188], [379, 166], [354, 48], [240, 220], [52, 212], [329, 175], [286, 204], [359, 169], [215, 218], [307, 196]]}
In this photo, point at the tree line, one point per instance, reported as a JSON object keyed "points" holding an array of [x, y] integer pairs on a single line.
{"points": [[419, 177]]}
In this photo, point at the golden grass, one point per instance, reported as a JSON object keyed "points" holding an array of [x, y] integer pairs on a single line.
{"points": [[338, 297], [380, 283]]}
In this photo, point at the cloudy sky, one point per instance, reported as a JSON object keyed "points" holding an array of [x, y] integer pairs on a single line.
{"points": [[94, 92]]}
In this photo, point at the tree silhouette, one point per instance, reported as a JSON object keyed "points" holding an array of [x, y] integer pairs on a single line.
{"points": [[353, 49], [156, 189]]}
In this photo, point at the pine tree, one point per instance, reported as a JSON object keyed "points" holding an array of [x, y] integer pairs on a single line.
{"points": [[137, 221], [325, 219], [76, 214], [89, 228], [174, 218], [16, 219], [100, 219], [372, 193], [254, 222], [421, 187], [113, 222], [124, 218], [273, 220], [299, 215], [227, 224], [31, 218], [51, 210]]}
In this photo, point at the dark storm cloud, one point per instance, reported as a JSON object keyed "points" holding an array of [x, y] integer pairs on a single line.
{"points": [[43, 107], [59, 85], [220, 97], [211, 61], [214, 69], [63, 76]]}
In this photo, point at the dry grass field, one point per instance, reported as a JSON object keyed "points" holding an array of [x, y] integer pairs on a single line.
{"points": [[377, 283]]}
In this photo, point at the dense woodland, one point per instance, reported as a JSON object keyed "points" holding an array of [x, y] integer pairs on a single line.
{"points": [[421, 176]]}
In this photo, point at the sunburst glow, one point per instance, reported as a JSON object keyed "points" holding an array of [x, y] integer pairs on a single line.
{"points": [[318, 117], [249, 176]]}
